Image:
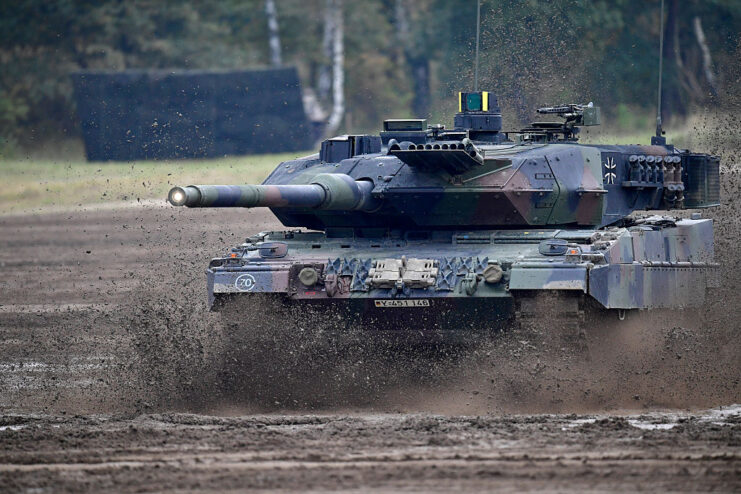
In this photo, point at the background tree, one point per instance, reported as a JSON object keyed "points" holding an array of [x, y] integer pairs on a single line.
{"points": [[274, 36], [401, 57]]}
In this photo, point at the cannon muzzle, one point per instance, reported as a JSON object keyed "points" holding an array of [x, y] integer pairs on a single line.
{"points": [[334, 191]]}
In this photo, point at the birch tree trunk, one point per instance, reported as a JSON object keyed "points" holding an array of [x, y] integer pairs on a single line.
{"points": [[324, 79], [686, 76], [416, 59], [273, 34], [707, 61], [338, 70]]}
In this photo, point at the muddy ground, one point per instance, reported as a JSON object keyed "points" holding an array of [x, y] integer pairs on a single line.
{"points": [[114, 376]]}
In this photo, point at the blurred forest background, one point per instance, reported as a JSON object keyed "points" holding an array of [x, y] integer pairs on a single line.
{"points": [[364, 60]]}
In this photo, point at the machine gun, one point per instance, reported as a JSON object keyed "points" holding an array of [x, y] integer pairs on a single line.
{"points": [[575, 116]]}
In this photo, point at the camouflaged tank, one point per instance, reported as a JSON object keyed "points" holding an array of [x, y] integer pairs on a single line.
{"points": [[428, 228]]}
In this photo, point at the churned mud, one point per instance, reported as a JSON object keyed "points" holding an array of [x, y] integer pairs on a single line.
{"points": [[115, 376], [372, 452]]}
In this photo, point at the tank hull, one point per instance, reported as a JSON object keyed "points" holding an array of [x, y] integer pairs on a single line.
{"points": [[470, 281]]}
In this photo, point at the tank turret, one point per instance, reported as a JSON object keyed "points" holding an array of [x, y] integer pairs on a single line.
{"points": [[475, 175]]}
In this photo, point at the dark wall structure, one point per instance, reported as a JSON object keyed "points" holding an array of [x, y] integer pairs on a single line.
{"points": [[159, 114]]}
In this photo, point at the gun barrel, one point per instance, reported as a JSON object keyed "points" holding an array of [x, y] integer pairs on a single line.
{"points": [[327, 191], [246, 196]]}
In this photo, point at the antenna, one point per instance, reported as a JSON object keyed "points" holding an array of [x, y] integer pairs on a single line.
{"points": [[659, 132], [478, 29]]}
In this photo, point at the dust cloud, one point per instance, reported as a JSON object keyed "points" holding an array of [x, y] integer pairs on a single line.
{"points": [[292, 360]]}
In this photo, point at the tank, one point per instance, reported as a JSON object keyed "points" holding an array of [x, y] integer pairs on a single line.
{"points": [[426, 228]]}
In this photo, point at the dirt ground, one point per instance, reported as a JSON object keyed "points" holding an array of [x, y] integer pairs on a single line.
{"points": [[114, 377]]}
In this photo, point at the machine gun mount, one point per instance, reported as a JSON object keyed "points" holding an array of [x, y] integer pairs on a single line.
{"points": [[575, 116]]}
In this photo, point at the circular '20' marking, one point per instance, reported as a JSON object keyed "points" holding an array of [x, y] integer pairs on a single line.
{"points": [[245, 282]]}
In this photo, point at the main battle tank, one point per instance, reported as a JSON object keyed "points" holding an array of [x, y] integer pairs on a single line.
{"points": [[428, 228]]}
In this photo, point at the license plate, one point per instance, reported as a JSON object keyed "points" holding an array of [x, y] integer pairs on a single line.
{"points": [[385, 304]]}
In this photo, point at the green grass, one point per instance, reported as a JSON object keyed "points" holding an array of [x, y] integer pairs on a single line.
{"points": [[32, 184]]}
